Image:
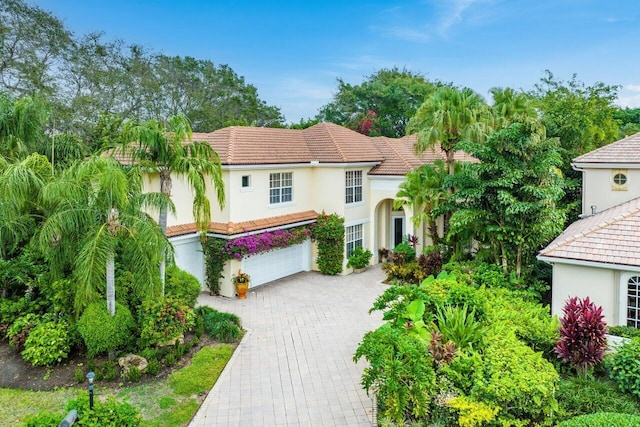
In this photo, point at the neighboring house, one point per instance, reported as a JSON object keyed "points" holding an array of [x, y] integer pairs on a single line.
{"points": [[599, 255], [283, 178]]}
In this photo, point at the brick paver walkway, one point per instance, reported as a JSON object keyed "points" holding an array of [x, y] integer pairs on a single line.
{"points": [[294, 366]]}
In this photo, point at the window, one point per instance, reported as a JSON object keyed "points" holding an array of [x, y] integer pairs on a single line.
{"points": [[354, 186], [633, 301], [246, 181], [280, 187], [619, 180], [353, 238]]}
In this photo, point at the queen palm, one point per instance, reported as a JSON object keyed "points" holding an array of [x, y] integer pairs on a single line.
{"points": [[510, 106], [449, 115], [94, 205], [158, 147]]}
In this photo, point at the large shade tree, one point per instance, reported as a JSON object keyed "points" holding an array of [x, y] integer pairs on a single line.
{"points": [[96, 206], [509, 199], [392, 95], [165, 148]]}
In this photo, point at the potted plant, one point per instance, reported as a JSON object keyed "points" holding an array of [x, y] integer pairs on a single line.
{"points": [[359, 259], [241, 280], [383, 254]]}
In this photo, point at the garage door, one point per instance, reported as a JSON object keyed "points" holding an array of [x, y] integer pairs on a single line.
{"points": [[189, 256], [279, 263]]}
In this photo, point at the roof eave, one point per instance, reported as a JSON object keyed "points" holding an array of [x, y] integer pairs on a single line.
{"points": [[584, 263]]}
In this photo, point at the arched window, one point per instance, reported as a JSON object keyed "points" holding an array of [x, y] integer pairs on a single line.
{"points": [[633, 301]]}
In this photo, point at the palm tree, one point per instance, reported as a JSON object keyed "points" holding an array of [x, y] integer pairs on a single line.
{"points": [[510, 106], [160, 148], [21, 125], [424, 191], [95, 205], [448, 116]]}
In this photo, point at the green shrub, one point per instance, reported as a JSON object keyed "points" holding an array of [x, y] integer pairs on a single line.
{"points": [[329, 235], [226, 332], [182, 285], [602, 419], [18, 332], [410, 272], [215, 259], [107, 413], [78, 376], [400, 372], [225, 327], [153, 367], [163, 320], [581, 396], [133, 374], [48, 343], [149, 353], [530, 320], [359, 258], [108, 371], [198, 328], [170, 359], [516, 379], [43, 419], [407, 251], [624, 331], [102, 332], [623, 367]]}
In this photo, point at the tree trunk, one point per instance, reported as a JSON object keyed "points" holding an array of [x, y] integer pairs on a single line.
{"points": [[503, 256], [519, 261], [111, 285], [165, 188]]}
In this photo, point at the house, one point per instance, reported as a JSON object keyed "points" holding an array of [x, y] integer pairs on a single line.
{"points": [[283, 178], [599, 255]]}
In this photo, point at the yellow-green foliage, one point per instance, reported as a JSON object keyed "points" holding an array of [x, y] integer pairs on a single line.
{"points": [[472, 413], [518, 380]]}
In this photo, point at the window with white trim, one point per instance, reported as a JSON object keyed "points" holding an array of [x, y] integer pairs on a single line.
{"points": [[353, 186], [280, 187], [353, 238], [633, 301]]}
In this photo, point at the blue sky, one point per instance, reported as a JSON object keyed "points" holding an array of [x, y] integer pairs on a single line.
{"points": [[293, 51]]}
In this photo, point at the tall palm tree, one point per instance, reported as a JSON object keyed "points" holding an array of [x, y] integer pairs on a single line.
{"points": [[510, 106], [22, 124], [162, 148], [95, 205], [449, 115], [423, 189]]}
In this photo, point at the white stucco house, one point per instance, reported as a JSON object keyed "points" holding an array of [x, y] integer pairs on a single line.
{"points": [[599, 255], [283, 178]]}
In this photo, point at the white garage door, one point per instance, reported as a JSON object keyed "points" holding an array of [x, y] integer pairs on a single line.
{"points": [[279, 263], [189, 256]]}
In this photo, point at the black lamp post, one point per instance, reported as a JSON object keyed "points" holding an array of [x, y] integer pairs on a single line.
{"points": [[90, 377]]}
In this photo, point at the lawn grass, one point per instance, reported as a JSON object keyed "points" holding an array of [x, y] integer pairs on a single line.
{"points": [[170, 402]]}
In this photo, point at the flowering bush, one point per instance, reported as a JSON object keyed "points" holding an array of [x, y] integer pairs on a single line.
{"points": [[258, 243], [164, 319]]}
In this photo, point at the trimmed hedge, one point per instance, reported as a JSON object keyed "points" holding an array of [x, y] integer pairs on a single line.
{"points": [[602, 419]]}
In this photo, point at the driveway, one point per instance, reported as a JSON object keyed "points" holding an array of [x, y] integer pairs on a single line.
{"points": [[294, 366]]}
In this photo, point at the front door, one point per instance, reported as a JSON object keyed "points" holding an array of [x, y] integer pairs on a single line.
{"points": [[397, 230]]}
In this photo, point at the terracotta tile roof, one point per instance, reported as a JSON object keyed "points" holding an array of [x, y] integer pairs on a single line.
{"points": [[330, 143], [231, 228], [611, 236], [400, 157], [626, 151]]}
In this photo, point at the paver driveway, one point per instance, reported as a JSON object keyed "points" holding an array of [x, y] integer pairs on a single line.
{"points": [[294, 366]]}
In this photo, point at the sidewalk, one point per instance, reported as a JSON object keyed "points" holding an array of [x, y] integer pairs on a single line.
{"points": [[294, 366]]}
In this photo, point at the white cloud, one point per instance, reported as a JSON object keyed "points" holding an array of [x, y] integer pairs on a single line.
{"points": [[629, 96], [453, 14]]}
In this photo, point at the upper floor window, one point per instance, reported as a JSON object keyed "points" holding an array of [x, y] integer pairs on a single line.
{"points": [[246, 181], [633, 301], [619, 179], [280, 187], [354, 186]]}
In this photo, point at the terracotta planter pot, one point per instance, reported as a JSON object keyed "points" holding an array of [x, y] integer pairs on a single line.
{"points": [[241, 290]]}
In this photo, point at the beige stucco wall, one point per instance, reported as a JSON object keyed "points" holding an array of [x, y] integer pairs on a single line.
{"points": [[599, 284], [598, 189]]}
